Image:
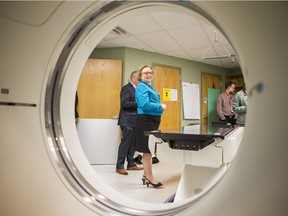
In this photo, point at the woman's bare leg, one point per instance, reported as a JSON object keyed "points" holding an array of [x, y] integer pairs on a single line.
{"points": [[147, 165]]}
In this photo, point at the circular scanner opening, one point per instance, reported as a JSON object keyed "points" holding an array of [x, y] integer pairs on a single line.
{"points": [[66, 150]]}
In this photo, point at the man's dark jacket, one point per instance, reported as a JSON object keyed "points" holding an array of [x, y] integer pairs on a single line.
{"points": [[128, 106]]}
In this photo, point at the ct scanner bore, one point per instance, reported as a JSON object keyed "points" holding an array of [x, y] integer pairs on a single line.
{"points": [[76, 58], [258, 175]]}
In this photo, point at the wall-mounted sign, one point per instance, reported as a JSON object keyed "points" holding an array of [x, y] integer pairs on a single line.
{"points": [[169, 94]]}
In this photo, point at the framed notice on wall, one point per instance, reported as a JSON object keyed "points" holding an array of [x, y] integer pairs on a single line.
{"points": [[191, 101]]}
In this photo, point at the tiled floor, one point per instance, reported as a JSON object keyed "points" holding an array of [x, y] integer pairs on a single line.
{"points": [[131, 185]]}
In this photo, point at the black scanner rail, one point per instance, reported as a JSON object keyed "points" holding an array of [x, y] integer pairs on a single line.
{"points": [[181, 140]]}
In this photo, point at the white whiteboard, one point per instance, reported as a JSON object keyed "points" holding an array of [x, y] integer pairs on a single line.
{"points": [[191, 100]]}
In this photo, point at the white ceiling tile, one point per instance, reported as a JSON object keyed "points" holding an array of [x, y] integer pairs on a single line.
{"points": [[230, 49], [220, 50], [173, 34], [112, 36], [213, 32], [141, 25], [160, 41], [190, 37], [133, 43], [105, 44], [169, 20]]}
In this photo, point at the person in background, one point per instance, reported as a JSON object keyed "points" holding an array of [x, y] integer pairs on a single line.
{"points": [[127, 122], [224, 104], [148, 119], [240, 105]]}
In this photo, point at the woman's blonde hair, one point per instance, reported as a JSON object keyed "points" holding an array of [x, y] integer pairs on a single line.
{"points": [[140, 71]]}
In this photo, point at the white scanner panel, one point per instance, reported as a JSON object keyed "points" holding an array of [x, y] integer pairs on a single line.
{"points": [[34, 182]]}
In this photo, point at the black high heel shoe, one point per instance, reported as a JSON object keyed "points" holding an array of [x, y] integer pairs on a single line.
{"points": [[148, 182], [144, 179]]}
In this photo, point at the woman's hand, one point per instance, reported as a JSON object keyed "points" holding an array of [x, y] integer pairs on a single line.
{"points": [[163, 106]]}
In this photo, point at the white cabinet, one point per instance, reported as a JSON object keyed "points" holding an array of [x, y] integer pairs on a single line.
{"points": [[99, 139]]}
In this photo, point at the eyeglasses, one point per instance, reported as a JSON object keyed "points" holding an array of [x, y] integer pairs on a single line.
{"points": [[148, 72]]}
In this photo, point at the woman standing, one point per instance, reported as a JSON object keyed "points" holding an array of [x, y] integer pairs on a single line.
{"points": [[148, 119]]}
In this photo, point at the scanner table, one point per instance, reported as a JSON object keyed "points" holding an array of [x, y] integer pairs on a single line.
{"points": [[191, 137], [205, 154], [210, 147]]}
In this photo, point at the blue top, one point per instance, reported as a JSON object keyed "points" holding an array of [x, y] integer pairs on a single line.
{"points": [[148, 100]]}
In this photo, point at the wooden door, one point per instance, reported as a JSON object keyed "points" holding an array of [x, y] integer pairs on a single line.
{"points": [[99, 89], [208, 81], [167, 84]]}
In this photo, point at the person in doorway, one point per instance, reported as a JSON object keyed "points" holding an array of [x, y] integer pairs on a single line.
{"points": [[127, 122], [148, 119], [224, 104], [240, 105]]}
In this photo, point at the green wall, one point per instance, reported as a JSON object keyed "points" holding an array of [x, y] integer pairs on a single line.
{"points": [[134, 58]]}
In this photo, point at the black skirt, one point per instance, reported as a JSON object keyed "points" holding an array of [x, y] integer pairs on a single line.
{"points": [[145, 123]]}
